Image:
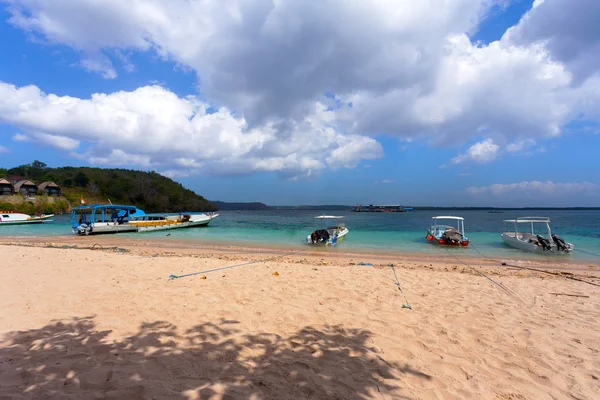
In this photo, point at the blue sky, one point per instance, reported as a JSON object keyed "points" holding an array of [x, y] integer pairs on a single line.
{"points": [[459, 104]]}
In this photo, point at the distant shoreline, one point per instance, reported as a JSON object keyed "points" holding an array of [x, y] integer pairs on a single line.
{"points": [[255, 206]]}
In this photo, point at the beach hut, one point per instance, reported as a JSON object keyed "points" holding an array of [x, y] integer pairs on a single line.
{"points": [[50, 188], [6, 188], [26, 188]]}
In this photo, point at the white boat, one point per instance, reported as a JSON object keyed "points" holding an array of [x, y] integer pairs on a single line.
{"points": [[11, 218], [153, 223], [531, 241], [331, 235], [112, 218], [447, 230]]}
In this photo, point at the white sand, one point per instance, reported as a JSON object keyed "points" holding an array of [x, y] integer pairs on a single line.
{"points": [[86, 324]]}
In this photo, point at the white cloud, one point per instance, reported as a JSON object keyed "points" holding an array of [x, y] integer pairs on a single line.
{"points": [[568, 29], [405, 68], [481, 153], [384, 181], [520, 145], [536, 188], [3, 150], [100, 65], [57, 141], [151, 126], [19, 137]]}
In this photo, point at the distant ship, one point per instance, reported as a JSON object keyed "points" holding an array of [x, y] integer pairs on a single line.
{"points": [[381, 208]]}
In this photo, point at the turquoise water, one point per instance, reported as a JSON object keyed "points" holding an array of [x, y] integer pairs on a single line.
{"points": [[375, 231]]}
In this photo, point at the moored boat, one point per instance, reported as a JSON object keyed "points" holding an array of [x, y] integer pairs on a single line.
{"points": [[532, 241], [152, 223], [12, 218], [447, 230], [113, 218], [330, 235]]}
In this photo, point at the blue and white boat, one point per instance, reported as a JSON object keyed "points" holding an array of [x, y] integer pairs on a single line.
{"points": [[331, 235], [114, 218]]}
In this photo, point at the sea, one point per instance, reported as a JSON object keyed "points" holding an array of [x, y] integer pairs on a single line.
{"points": [[385, 232]]}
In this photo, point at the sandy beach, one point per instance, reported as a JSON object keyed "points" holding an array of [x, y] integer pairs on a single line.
{"points": [[109, 323]]}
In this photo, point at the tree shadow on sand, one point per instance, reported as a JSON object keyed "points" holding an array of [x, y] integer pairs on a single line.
{"points": [[72, 359]]}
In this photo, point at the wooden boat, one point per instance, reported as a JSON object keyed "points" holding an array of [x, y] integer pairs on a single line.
{"points": [[114, 218], [12, 218]]}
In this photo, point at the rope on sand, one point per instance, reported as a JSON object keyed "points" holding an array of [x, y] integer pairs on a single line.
{"points": [[500, 285], [172, 276], [406, 304], [537, 270]]}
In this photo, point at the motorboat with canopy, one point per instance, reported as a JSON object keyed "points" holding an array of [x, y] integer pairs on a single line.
{"points": [[114, 218], [447, 230], [524, 236], [331, 235]]}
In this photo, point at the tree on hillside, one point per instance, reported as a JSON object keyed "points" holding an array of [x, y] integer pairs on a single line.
{"points": [[81, 179], [39, 165]]}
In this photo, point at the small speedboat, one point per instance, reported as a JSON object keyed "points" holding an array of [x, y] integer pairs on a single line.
{"points": [[532, 241], [12, 218], [447, 231], [328, 236]]}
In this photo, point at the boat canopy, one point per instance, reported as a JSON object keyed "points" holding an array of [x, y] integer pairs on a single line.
{"points": [[532, 221], [528, 220], [449, 217], [106, 212]]}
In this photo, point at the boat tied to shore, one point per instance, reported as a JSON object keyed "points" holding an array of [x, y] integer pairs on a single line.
{"points": [[447, 230], [533, 242], [13, 218], [331, 235], [113, 218]]}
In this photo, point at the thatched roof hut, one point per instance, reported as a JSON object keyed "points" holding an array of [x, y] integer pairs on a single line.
{"points": [[6, 188], [26, 188], [50, 188]]}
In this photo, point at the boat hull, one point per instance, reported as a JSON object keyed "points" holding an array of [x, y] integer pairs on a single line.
{"points": [[23, 222], [533, 248], [332, 240], [432, 238], [177, 225], [23, 219], [99, 228]]}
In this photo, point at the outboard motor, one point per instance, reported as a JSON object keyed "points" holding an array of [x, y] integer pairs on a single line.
{"points": [[545, 243], [560, 243], [313, 237], [320, 235]]}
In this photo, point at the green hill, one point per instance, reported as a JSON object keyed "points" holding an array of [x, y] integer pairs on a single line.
{"points": [[222, 205], [149, 191]]}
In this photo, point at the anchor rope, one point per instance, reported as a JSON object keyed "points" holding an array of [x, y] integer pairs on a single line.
{"points": [[500, 285], [587, 252], [406, 304], [173, 276], [537, 269]]}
